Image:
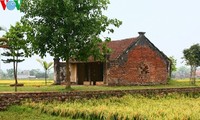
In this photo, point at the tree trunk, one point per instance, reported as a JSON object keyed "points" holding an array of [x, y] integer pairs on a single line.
{"points": [[170, 70], [68, 83], [57, 71], [193, 74], [45, 77], [15, 74]]}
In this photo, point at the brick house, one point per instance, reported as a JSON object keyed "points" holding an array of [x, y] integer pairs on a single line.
{"points": [[132, 61]]}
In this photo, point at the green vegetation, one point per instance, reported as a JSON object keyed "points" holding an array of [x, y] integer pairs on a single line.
{"points": [[15, 52], [192, 58], [173, 62], [171, 106], [68, 29], [47, 66], [25, 113], [39, 85]]}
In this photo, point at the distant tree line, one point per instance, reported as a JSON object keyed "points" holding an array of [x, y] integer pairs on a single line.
{"points": [[39, 74], [181, 73]]}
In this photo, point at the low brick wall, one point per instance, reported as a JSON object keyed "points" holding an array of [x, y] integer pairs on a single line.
{"points": [[7, 99]]}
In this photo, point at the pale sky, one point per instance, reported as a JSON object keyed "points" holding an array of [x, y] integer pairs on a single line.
{"points": [[171, 25]]}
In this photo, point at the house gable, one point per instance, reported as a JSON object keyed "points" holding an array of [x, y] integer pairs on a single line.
{"points": [[121, 48], [144, 41], [139, 63]]}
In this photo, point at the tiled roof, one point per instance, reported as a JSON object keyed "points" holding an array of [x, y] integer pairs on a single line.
{"points": [[119, 46]]}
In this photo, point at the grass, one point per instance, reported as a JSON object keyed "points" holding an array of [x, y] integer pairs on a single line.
{"points": [[129, 107], [172, 106], [39, 86], [26, 113]]}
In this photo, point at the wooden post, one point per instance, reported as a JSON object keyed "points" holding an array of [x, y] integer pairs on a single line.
{"points": [[89, 74]]}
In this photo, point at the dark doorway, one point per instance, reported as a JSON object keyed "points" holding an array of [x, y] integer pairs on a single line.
{"points": [[96, 72], [90, 72], [81, 73]]}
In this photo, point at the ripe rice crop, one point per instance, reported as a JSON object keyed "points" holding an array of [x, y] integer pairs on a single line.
{"points": [[172, 106]]}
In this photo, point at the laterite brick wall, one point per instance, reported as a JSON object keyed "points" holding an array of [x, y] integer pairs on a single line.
{"points": [[7, 99], [144, 66]]}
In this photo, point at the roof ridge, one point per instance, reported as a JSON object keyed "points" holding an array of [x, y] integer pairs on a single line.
{"points": [[124, 39]]}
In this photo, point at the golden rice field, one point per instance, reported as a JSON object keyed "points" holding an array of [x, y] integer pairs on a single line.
{"points": [[39, 86], [129, 107], [27, 82]]}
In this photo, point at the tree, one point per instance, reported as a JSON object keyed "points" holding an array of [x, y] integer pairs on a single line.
{"points": [[10, 73], [34, 72], [2, 73], [37, 73], [182, 72], [173, 66], [68, 29], [14, 52], [46, 66], [192, 58]]}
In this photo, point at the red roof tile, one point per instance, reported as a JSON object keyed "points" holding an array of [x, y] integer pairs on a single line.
{"points": [[119, 46]]}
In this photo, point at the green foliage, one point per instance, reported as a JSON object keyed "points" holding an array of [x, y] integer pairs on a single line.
{"points": [[67, 29], [182, 72], [46, 66], [15, 42], [10, 73], [25, 113], [171, 106], [173, 66], [37, 73], [2, 74], [16, 47], [192, 55], [192, 58]]}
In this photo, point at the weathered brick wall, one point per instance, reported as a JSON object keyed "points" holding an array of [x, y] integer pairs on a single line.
{"points": [[7, 99], [143, 66]]}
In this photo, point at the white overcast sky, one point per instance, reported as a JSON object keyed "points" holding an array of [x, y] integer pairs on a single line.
{"points": [[172, 25]]}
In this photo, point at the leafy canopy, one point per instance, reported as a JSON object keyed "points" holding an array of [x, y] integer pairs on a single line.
{"points": [[173, 60], [16, 47], [192, 58], [15, 43], [45, 65], [192, 55], [68, 29]]}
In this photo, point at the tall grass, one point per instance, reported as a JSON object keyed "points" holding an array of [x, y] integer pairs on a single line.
{"points": [[25, 113], [172, 106]]}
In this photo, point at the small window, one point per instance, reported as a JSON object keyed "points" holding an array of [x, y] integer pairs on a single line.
{"points": [[143, 70]]}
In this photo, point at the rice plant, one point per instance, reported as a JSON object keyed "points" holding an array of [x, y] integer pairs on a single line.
{"points": [[128, 107]]}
